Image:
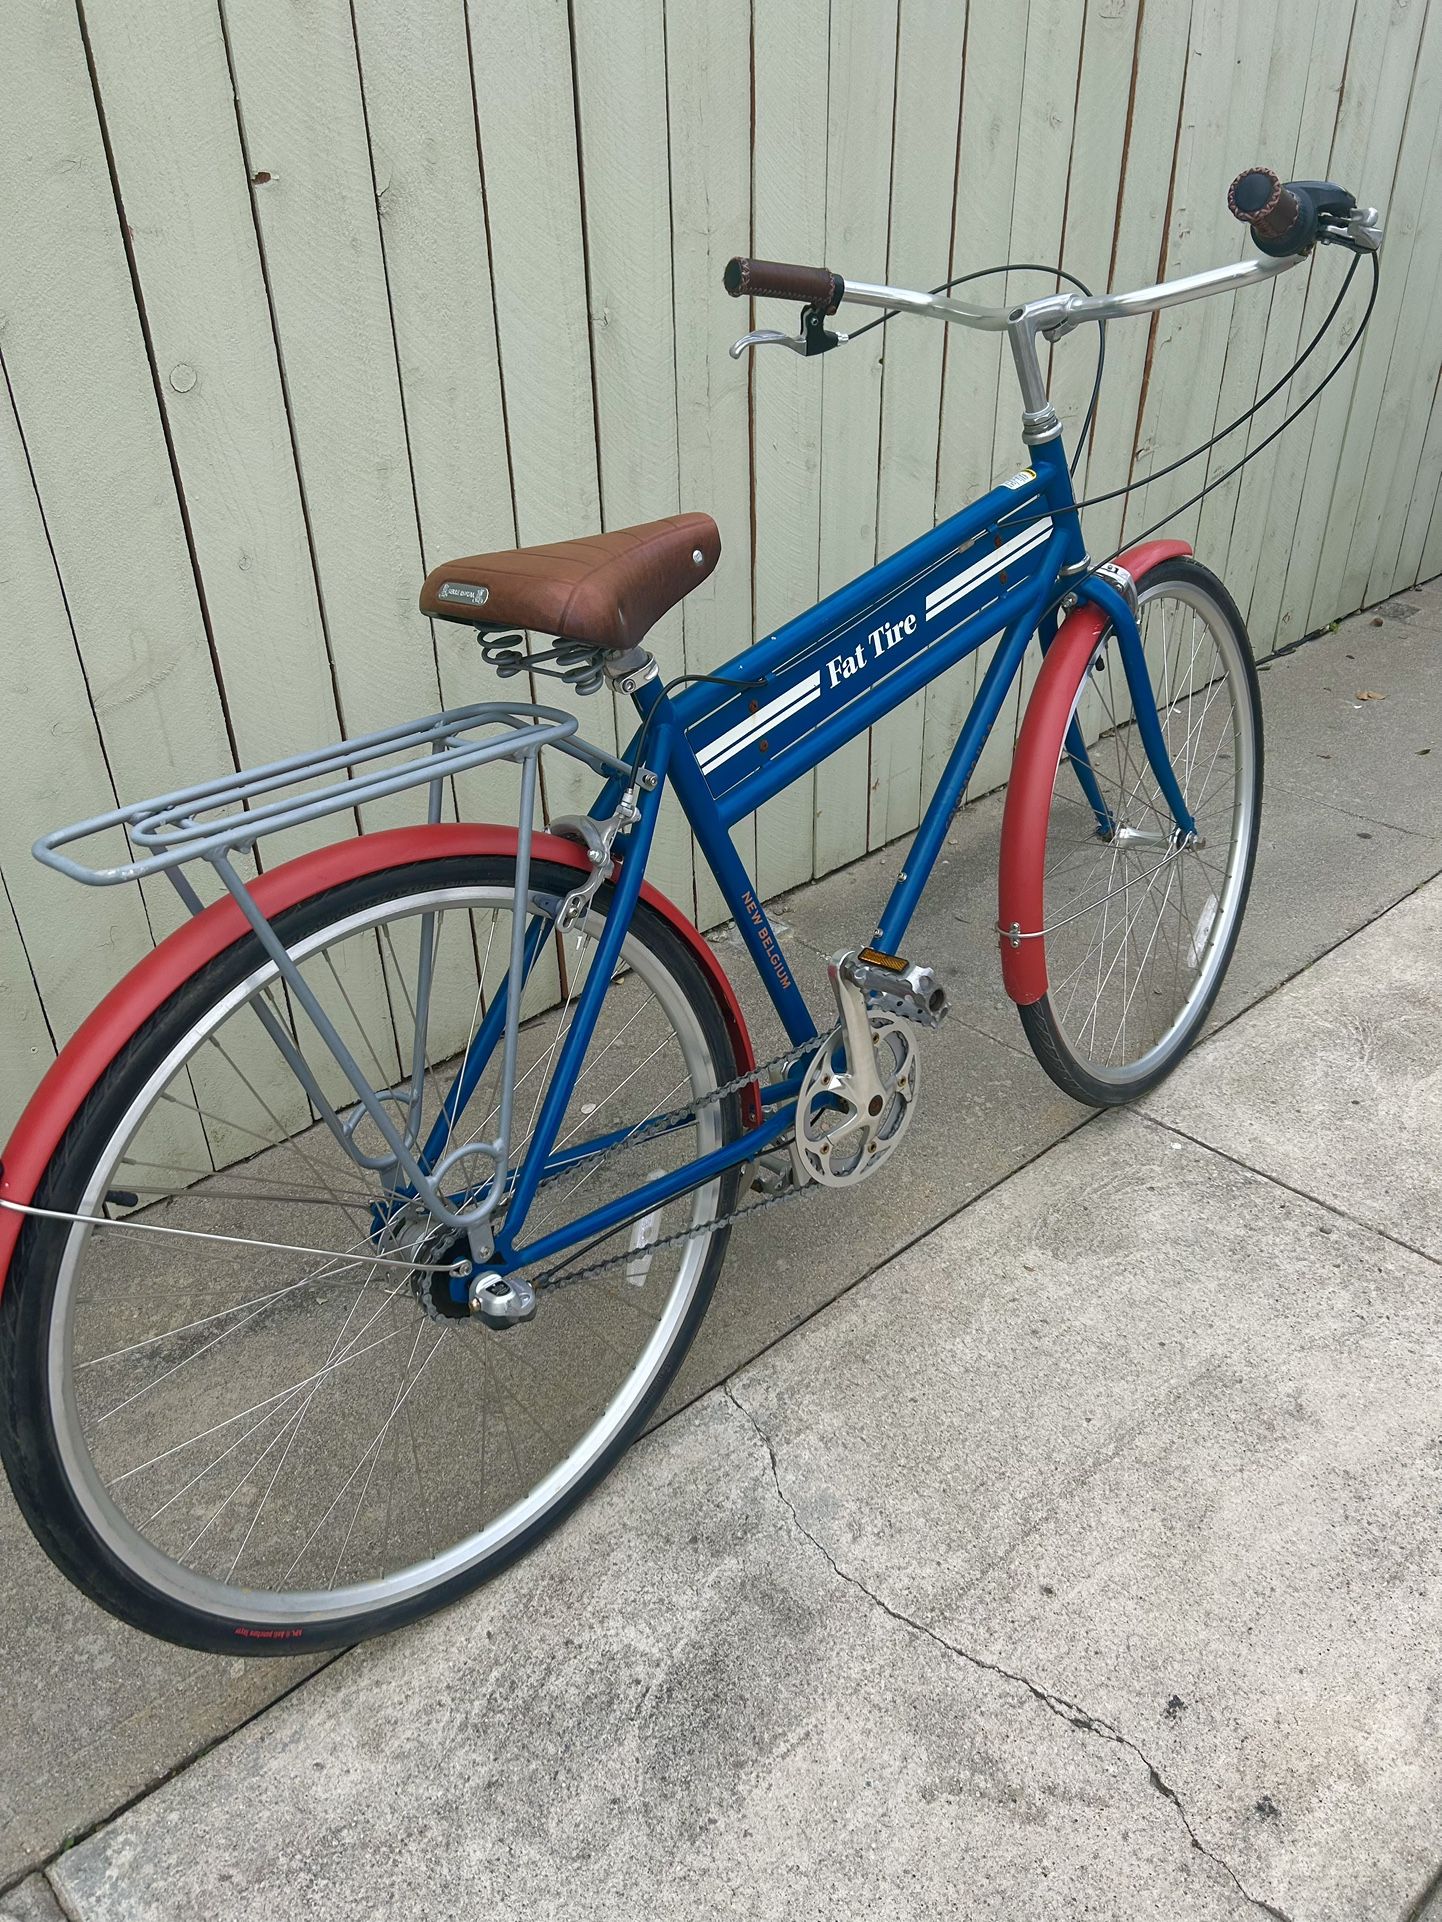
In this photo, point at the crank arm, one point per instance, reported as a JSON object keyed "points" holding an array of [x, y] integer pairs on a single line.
{"points": [[860, 1055]]}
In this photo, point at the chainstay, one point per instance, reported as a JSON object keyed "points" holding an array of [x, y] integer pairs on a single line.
{"points": [[561, 1277], [557, 1278]]}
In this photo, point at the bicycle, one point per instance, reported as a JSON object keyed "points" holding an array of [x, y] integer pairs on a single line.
{"points": [[360, 1229]]}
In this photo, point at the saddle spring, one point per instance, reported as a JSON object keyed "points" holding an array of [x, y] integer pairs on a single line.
{"points": [[574, 662]]}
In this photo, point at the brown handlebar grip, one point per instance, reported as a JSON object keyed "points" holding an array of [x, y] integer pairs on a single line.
{"points": [[779, 280], [1259, 198]]}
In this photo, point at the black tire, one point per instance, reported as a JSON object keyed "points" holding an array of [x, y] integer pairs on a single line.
{"points": [[28, 1440], [1053, 1040]]}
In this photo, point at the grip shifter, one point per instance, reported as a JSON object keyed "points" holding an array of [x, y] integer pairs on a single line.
{"points": [[1292, 218]]}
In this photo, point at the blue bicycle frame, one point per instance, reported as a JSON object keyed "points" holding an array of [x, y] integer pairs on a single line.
{"points": [[1000, 566]]}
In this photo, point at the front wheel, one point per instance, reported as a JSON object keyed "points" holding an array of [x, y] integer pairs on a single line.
{"points": [[262, 1433], [1139, 924]]}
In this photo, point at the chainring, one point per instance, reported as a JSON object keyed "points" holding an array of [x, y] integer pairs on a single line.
{"points": [[839, 1140]]}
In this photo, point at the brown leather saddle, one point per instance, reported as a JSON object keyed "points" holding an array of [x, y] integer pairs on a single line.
{"points": [[604, 590]]}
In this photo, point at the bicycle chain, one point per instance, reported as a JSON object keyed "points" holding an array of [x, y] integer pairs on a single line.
{"points": [[559, 1277]]}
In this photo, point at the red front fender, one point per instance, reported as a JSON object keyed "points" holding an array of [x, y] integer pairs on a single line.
{"points": [[132, 1001], [1033, 776]]}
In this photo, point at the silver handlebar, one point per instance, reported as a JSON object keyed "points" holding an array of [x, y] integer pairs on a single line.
{"points": [[1057, 314]]}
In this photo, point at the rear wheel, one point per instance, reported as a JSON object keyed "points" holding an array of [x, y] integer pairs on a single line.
{"points": [[1138, 925], [250, 1447]]}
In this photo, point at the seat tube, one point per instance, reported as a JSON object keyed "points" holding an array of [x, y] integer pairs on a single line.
{"points": [[627, 888]]}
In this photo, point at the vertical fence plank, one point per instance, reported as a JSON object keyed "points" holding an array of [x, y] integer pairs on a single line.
{"points": [[1038, 205], [76, 362], [992, 80], [792, 45], [708, 58], [1422, 498], [1189, 343], [1156, 102], [1214, 368], [304, 125], [26, 1049], [1093, 195], [180, 173], [860, 102], [621, 88], [1264, 339], [52, 770], [1363, 467], [923, 193], [1381, 63], [1386, 396], [525, 95], [1432, 543], [420, 117], [1271, 491], [1414, 475]]}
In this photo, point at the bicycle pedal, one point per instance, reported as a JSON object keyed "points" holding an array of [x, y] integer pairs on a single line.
{"points": [[776, 1172], [905, 988]]}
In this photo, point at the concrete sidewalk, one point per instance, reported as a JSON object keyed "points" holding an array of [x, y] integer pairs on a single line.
{"points": [[1099, 1524], [1083, 1561]]}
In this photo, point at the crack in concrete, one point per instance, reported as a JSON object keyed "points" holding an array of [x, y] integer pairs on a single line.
{"points": [[1072, 1713]]}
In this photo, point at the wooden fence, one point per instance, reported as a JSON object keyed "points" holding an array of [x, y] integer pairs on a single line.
{"points": [[300, 297]]}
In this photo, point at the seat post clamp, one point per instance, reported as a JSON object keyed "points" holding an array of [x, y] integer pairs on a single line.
{"points": [[631, 670]]}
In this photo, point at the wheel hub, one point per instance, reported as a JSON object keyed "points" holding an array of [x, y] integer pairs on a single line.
{"points": [[446, 1281]]}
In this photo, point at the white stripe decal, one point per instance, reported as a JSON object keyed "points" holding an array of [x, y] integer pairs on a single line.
{"points": [[801, 697], [755, 725], [952, 591], [990, 563]]}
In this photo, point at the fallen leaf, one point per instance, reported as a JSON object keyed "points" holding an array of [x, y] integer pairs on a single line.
{"points": [[1369, 694]]}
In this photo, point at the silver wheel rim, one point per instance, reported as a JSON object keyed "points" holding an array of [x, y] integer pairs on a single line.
{"points": [[1117, 917], [291, 1611]]}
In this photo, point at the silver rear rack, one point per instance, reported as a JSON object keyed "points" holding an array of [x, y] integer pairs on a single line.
{"points": [[232, 812], [213, 820]]}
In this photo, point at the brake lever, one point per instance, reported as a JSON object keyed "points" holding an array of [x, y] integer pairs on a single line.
{"points": [[767, 337], [816, 339]]}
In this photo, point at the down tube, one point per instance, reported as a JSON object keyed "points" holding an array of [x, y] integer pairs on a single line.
{"points": [[921, 858]]}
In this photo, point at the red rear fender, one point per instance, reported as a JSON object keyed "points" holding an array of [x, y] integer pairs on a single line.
{"points": [[133, 1000]]}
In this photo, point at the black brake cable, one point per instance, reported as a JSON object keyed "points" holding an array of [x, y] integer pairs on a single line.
{"points": [[1252, 452], [1160, 473], [680, 680], [1021, 267]]}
